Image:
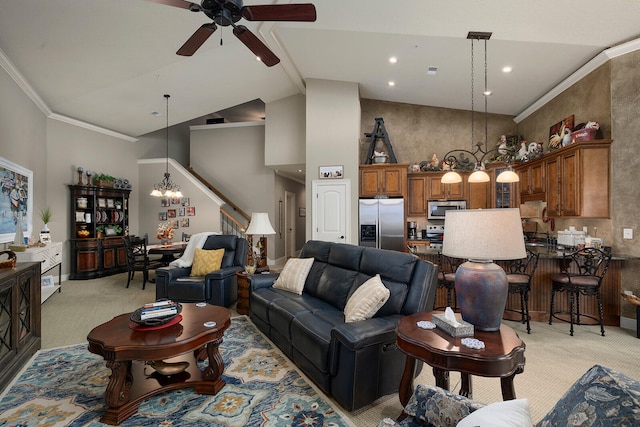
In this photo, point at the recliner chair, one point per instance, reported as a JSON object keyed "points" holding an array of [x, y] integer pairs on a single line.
{"points": [[218, 287]]}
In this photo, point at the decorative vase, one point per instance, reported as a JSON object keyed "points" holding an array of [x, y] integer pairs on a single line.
{"points": [[481, 289]]}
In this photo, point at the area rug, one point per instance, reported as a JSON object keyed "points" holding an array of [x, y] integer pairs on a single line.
{"points": [[65, 387]]}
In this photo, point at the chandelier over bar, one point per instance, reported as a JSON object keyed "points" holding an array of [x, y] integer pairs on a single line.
{"points": [[468, 160], [166, 187]]}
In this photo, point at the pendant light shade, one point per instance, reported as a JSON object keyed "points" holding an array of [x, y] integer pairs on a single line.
{"points": [[479, 176], [166, 187], [508, 176], [451, 177]]}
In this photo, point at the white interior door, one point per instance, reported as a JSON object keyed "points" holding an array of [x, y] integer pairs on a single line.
{"points": [[330, 210]]}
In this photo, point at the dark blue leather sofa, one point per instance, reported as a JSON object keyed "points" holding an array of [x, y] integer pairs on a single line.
{"points": [[356, 362]]}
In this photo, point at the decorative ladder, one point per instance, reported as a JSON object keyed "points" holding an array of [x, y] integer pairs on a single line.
{"points": [[379, 132]]}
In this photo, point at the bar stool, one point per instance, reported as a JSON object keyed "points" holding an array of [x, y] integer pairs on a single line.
{"points": [[447, 277], [582, 274], [519, 275]]}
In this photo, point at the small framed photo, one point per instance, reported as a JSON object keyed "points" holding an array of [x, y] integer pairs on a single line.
{"points": [[175, 201], [102, 203], [191, 211], [330, 172], [110, 203], [171, 213], [185, 201], [175, 224], [165, 202], [162, 216], [46, 281], [180, 211], [184, 222], [45, 238], [302, 212]]}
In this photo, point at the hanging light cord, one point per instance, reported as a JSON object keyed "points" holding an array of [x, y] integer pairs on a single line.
{"points": [[166, 96]]}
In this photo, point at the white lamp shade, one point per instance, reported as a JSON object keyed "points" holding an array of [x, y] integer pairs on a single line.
{"points": [[508, 176], [479, 176], [451, 177], [484, 234], [260, 224]]}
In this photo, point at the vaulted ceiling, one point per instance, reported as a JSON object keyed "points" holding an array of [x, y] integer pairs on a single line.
{"points": [[108, 63]]}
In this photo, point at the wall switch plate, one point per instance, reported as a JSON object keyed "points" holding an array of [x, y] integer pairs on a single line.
{"points": [[627, 233]]}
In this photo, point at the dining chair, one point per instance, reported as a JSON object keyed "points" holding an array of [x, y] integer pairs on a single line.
{"points": [[447, 278], [581, 273], [519, 275], [138, 259]]}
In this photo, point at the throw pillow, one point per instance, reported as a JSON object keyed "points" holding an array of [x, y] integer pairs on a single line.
{"points": [[205, 261], [508, 413], [293, 275], [365, 302]]}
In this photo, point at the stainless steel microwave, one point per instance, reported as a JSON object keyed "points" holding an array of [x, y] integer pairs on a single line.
{"points": [[436, 209]]}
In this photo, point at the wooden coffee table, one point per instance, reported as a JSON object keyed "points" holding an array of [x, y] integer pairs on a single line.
{"points": [[129, 384], [503, 356]]}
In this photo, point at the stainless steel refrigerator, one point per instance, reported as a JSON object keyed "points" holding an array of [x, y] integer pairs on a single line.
{"points": [[382, 223]]}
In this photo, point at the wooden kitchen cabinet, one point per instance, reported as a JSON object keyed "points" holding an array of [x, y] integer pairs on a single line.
{"points": [[576, 179], [532, 180], [383, 180], [436, 190], [417, 194]]}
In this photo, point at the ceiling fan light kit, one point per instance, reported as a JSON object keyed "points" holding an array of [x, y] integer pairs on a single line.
{"points": [[228, 12]]}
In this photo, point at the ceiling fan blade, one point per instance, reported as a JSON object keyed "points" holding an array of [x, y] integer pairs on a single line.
{"points": [[303, 12], [197, 39], [255, 45], [178, 3]]}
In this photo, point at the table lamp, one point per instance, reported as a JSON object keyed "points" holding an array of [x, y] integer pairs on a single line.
{"points": [[260, 224], [482, 236]]}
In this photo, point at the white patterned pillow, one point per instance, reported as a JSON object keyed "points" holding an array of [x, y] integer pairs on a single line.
{"points": [[366, 300], [507, 413], [293, 275]]}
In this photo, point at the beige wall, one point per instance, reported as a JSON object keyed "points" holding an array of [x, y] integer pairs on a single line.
{"points": [[285, 132], [332, 134]]}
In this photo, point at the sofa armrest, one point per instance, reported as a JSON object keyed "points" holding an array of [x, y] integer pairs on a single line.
{"points": [[172, 273], [257, 281], [365, 333]]}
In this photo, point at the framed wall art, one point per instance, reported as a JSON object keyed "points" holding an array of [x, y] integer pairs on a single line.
{"points": [[330, 172], [16, 203]]}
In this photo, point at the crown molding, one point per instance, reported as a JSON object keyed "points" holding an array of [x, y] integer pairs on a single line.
{"points": [[28, 90], [22, 83], [600, 59]]}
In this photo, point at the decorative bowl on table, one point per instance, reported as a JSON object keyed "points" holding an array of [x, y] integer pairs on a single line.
{"points": [[154, 321]]}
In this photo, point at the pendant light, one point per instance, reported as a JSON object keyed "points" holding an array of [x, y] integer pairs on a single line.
{"points": [[166, 187], [453, 157]]}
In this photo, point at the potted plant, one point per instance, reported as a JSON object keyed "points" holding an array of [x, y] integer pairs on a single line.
{"points": [[103, 180], [45, 216], [100, 231]]}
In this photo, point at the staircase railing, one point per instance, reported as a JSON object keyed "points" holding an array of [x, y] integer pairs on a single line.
{"points": [[228, 224]]}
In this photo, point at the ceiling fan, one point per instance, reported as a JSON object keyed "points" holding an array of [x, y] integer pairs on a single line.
{"points": [[228, 12]]}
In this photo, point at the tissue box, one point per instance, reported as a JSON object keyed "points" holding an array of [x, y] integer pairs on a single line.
{"points": [[464, 329]]}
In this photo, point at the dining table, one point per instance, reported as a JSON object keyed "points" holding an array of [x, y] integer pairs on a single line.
{"points": [[169, 251]]}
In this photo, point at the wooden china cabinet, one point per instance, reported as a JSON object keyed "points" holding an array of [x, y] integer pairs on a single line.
{"points": [[99, 220]]}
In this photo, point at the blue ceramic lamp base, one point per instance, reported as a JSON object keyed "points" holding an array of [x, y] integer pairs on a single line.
{"points": [[481, 288]]}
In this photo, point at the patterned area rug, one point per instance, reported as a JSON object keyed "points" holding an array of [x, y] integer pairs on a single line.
{"points": [[65, 387]]}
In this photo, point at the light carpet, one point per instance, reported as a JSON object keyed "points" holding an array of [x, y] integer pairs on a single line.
{"points": [[65, 387]]}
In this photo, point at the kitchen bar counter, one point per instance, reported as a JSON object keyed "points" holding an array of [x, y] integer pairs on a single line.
{"points": [[540, 295]]}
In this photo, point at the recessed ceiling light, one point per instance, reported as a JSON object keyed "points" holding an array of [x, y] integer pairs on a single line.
{"points": [[432, 70], [391, 83], [393, 60], [487, 93], [507, 69]]}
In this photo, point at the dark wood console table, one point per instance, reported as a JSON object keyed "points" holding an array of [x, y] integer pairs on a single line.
{"points": [[121, 346], [503, 356]]}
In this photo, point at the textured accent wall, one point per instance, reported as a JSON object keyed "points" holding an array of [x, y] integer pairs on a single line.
{"points": [[625, 125], [416, 132]]}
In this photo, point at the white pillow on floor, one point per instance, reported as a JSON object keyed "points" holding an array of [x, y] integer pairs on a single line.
{"points": [[510, 413]]}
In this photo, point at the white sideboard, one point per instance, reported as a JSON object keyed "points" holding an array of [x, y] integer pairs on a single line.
{"points": [[50, 256]]}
